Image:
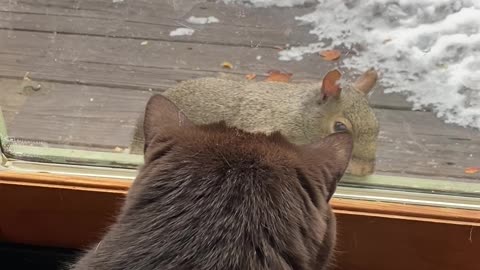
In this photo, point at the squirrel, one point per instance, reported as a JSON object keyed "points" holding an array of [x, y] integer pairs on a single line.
{"points": [[302, 112]]}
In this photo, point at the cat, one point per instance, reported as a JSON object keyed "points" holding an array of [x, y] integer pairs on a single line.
{"points": [[217, 197]]}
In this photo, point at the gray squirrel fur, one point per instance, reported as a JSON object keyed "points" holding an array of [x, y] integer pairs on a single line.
{"points": [[302, 112]]}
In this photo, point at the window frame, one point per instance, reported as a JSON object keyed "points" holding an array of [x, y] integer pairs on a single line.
{"points": [[70, 211]]}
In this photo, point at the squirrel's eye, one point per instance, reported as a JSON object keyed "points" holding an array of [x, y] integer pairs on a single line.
{"points": [[339, 127]]}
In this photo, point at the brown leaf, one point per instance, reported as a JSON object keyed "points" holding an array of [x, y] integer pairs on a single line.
{"points": [[277, 76], [472, 170], [329, 84], [250, 76], [227, 65], [330, 55]]}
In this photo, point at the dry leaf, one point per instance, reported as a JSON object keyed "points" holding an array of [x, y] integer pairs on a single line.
{"points": [[250, 76], [330, 86], [472, 170], [387, 40], [330, 55], [277, 76], [227, 65]]}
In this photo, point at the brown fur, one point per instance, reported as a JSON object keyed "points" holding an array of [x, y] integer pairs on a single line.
{"points": [[217, 197]]}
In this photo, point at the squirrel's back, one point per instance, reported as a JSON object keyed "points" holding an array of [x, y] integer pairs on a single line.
{"points": [[244, 104]]}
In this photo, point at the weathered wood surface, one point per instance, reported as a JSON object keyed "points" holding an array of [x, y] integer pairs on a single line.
{"points": [[96, 75], [418, 143], [78, 115], [153, 20], [125, 63]]}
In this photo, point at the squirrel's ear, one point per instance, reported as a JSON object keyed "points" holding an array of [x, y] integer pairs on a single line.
{"points": [[330, 85], [366, 82]]}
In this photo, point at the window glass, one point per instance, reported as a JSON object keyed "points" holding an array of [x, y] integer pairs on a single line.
{"points": [[75, 76]]}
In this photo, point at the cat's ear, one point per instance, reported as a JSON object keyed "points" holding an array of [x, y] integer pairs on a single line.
{"points": [[161, 118], [328, 158]]}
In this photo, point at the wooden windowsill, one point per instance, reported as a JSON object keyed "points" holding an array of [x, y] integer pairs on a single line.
{"points": [[67, 211]]}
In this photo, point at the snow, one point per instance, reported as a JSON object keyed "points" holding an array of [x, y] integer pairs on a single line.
{"points": [[270, 3], [426, 49], [182, 32], [202, 20]]}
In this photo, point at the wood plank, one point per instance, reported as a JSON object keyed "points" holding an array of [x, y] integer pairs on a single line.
{"points": [[411, 212], [153, 20], [417, 143], [370, 243], [74, 212], [11, 99], [125, 63], [67, 115]]}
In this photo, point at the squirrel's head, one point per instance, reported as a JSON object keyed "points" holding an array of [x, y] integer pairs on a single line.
{"points": [[346, 108]]}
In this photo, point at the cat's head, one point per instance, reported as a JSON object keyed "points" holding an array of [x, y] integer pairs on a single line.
{"points": [[170, 137]]}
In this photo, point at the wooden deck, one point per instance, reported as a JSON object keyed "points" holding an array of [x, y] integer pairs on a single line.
{"points": [[98, 62]]}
